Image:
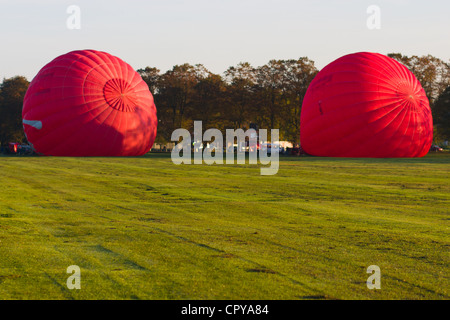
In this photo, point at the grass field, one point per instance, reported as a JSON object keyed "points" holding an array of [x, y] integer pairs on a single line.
{"points": [[143, 228]]}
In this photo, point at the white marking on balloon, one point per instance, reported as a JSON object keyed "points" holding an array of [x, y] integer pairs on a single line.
{"points": [[33, 123]]}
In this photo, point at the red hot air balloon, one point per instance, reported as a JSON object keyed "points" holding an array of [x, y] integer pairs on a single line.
{"points": [[89, 103], [366, 105]]}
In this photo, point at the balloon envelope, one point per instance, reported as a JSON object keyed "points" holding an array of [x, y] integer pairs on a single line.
{"points": [[366, 105], [89, 103]]}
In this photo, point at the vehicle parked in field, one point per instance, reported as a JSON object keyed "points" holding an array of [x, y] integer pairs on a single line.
{"points": [[17, 148], [436, 148], [269, 147], [296, 151], [13, 147], [25, 149]]}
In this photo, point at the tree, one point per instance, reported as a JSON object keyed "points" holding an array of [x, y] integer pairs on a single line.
{"points": [[281, 87], [208, 104], [240, 94], [176, 94], [270, 82], [299, 75], [152, 77], [12, 93], [441, 115]]}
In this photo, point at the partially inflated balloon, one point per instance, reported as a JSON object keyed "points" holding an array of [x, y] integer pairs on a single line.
{"points": [[366, 105], [89, 103]]}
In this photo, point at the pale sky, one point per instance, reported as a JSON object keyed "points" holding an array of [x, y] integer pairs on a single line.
{"points": [[217, 33]]}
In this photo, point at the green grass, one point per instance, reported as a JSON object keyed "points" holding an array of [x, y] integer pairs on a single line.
{"points": [[144, 228]]}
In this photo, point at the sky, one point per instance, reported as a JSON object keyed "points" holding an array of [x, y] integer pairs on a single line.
{"points": [[217, 33]]}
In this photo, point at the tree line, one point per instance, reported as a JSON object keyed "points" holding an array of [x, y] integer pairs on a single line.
{"points": [[269, 96]]}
